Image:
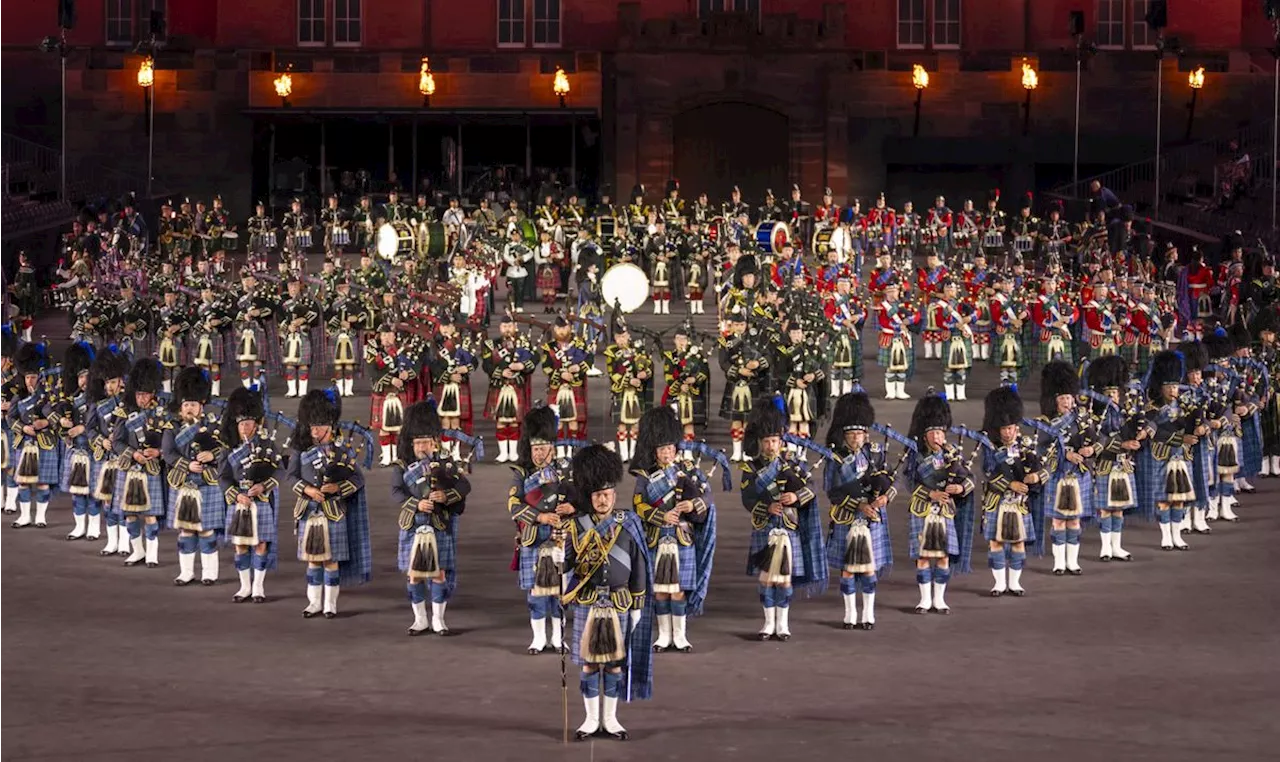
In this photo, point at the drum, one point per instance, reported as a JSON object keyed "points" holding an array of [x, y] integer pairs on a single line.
{"points": [[1053, 248], [395, 239], [340, 237], [230, 241], [717, 230], [992, 239], [961, 238], [772, 236], [301, 239], [1023, 244], [927, 237], [606, 228], [269, 239], [432, 240], [824, 240], [626, 285], [528, 231]]}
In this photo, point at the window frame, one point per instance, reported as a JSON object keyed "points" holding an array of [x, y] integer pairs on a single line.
{"points": [[1138, 24], [511, 20], [348, 20], [935, 23], [1111, 23], [127, 22], [323, 19], [708, 8], [923, 23], [534, 21]]}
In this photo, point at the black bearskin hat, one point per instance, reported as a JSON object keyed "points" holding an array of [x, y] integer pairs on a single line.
{"points": [[1218, 344], [1108, 372], [1194, 356], [932, 412], [853, 411], [243, 404], [30, 359], [321, 407], [144, 377], [8, 341], [1003, 408], [1265, 320], [595, 468], [421, 421], [191, 385], [746, 265], [540, 427], [1058, 377], [110, 363], [766, 421], [77, 359], [1166, 368], [658, 426], [1240, 336]]}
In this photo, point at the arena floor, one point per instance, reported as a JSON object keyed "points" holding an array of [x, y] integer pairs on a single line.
{"points": [[1171, 657]]}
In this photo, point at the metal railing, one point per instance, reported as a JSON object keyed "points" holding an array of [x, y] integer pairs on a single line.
{"points": [[31, 164]]}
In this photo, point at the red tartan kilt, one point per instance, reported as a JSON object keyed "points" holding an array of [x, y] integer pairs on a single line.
{"points": [[548, 278], [491, 400], [695, 293], [579, 401], [407, 398], [464, 402], [934, 337]]}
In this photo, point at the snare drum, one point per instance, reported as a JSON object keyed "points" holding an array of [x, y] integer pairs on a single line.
{"points": [[606, 228], [992, 239], [1022, 244], [301, 239], [340, 237], [772, 236], [230, 241]]}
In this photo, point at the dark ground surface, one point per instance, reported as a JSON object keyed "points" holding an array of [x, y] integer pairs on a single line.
{"points": [[1173, 656]]}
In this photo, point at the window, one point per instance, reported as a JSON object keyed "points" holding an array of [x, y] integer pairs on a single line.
{"points": [[1143, 35], [119, 22], [346, 22], [1111, 23], [511, 22], [946, 23], [546, 23], [147, 7], [911, 23], [311, 22], [708, 7]]}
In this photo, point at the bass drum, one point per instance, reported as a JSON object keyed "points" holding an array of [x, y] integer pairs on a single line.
{"points": [[396, 239], [432, 240], [827, 238], [626, 285], [528, 232], [772, 236]]}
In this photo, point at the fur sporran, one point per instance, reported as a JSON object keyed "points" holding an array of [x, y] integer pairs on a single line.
{"points": [[450, 401], [28, 471], [1067, 497], [137, 492], [666, 567], [1009, 524], [602, 641], [957, 354], [629, 411], [244, 526], [897, 355], [508, 405], [78, 481], [1010, 351], [775, 559], [424, 556], [1177, 482], [858, 555], [547, 570], [392, 413], [566, 406], [204, 351], [933, 537], [740, 399], [315, 539], [344, 352], [106, 487], [1228, 455], [1120, 490], [248, 346], [168, 352], [293, 349], [187, 513]]}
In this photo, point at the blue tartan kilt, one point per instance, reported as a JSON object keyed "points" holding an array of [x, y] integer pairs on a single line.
{"points": [[1204, 470], [217, 352], [1086, 497], [64, 478], [688, 559], [579, 613], [303, 350], [50, 464], [760, 538], [156, 489], [338, 542], [213, 507], [989, 521], [268, 518], [917, 526], [838, 540], [446, 549], [529, 557], [1250, 447], [1102, 494], [882, 358], [1151, 481]]}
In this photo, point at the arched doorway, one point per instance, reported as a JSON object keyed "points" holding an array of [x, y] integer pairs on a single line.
{"points": [[720, 145]]}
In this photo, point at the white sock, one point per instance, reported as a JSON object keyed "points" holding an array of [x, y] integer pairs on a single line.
{"points": [[94, 530], [259, 583], [246, 583]]}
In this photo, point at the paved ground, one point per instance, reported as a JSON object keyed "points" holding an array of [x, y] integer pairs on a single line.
{"points": [[1171, 657]]}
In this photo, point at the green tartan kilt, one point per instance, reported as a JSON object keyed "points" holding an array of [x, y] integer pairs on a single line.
{"points": [[1025, 350], [1041, 351]]}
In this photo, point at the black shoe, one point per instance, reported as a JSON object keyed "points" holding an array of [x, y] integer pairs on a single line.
{"points": [[685, 650], [1059, 572], [182, 582], [868, 625], [239, 598], [620, 736], [152, 566], [309, 614], [259, 599], [996, 593], [330, 615], [849, 626], [782, 638], [415, 633], [657, 649], [921, 610], [40, 525], [208, 582], [1104, 559], [762, 637], [1017, 593], [443, 633], [1182, 547], [1075, 572], [582, 735]]}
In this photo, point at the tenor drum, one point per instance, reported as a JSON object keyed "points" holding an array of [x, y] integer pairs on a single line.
{"points": [[606, 228], [432, 240], [340, 237], [301, 239], [772, 236], [626, 285], [230, 241], [992, 239]]}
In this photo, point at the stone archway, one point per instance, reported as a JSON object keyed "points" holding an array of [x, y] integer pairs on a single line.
{"points": [[719, 145]]}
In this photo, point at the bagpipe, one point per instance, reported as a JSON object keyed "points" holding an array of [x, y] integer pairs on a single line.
{"points": [[475, 443], [699, 450]]}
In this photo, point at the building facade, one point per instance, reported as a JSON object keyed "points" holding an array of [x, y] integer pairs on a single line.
{"points": [[756, 93]]}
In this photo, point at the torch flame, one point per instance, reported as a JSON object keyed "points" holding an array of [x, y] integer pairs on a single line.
{"points": [[1030, 80], [561, 86], [426, 81], [1196, 78], [284, 85], [146, 73], [919, 77]]}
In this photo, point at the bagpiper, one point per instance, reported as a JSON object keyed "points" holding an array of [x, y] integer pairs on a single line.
{"points": [[173, 321], [35, 456], [673, 500], [745, 362], [1068, 442], [509, 362], [196, 507], [250, 482], [894, 318], [630, 370], [860, 488], [847, 314], [1015, 475], [137, 441], [300, 317], [105, 410], [71, 415], [1120, 436], [452, 363], [345, 318], [686, 375], [431, 488], [208, 339], [565, 363], [1164, 473], [331, 516], [393, 366]]}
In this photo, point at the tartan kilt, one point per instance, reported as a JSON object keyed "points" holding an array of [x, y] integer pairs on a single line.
{"points": [[760, 539], [1142, 358], [376, 399], [548, 279], [338, 542], [688, 559], [1270, 425], [156, 490], [464, 403], [990, 522], [64, 477], [176, 360], [882, 357], [579, 402], [216, 354], [529, 558], [522, 402], [213, 507], [1041, 350], [1102, 494], [917, 526], [1204, 470], [50, 464], [1086, 497], [446, 549], [331, 348], [268, 515], [302, 348], [838, 539], [1151, 480], [260, 344], [1250, 447]]}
